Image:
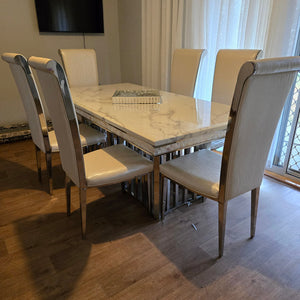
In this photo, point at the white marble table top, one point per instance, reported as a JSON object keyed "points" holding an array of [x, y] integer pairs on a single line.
{"points": [[178, 122]]}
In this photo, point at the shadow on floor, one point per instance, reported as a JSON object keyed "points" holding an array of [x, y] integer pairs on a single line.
{"points": [[18, 176], [125, 247]]}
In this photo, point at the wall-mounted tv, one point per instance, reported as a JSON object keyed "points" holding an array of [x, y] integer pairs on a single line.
{"points": [[81, 16]]}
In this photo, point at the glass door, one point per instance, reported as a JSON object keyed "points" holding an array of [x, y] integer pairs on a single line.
{"points": [[286, 159]]}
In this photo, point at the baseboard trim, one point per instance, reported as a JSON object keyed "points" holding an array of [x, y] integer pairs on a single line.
{"points": [[14, 132], [283, 179]]}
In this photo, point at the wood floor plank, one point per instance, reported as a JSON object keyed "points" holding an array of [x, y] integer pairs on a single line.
{"points": [[127, 254], [154, 286], [3, 249]]}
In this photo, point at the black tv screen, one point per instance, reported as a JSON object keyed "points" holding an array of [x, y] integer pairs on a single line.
{"points": [[84, 16]]}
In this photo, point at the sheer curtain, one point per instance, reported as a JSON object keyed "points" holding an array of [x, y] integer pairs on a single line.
{"points": [[226, 24], [162, 27], [282, 40], [270, 25]]}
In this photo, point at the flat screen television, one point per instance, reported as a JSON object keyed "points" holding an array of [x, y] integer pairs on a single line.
{"points": [[81, 16]]}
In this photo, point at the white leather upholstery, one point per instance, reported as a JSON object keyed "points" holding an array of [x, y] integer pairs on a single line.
{"points": [[88, 136], [27, 88], [80, 66], [43, 139], [56, 93], [228, 64], [258, 110], [106, 166], [110, 165], [113, 165], [199, 170], [31, 99], [55, 97], [260, 94], [184, 70]]}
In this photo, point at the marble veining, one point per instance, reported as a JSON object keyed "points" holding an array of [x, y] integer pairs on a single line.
{"points": [[178, 120]]}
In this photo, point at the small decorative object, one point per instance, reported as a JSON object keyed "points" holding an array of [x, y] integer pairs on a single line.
{"points": [[136, 97], [136, 107]]}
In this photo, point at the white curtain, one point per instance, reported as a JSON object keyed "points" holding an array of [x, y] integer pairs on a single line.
{"points": [[225, 24], [162, 27], [270, 25], [282, 38]]}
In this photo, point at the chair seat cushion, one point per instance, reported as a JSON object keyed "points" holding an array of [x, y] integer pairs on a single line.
{"points": [[113, 165], [198, 171], [88, 135]]}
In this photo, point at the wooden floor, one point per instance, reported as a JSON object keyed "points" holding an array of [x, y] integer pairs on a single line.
{"points": [[128, 255]]}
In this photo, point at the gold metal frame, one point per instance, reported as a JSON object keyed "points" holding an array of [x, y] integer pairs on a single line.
{"points": [[246, 71]]}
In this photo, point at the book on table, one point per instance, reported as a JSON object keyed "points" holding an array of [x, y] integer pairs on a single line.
{"points": [[148, 96]]}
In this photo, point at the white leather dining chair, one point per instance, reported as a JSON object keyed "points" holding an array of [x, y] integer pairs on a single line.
{"points": [[114, 164], [80, 66], [228, 64], [82, 70], [184, 70], [44, 139], [261, 90]]}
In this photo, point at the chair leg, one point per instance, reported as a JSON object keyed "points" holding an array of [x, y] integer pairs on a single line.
{"points": [[123, 186], [82, 196], [222, 225], [49, 171], [38, 162], [185, 191], [176, 194], [167, 191], [254, 205], [68, 194], [149, 185], [136, 187], [185, 195], [164, 190]]}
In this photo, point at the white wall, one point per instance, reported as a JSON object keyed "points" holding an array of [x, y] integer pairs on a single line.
{"points": [[130, 28], [19, 33]]}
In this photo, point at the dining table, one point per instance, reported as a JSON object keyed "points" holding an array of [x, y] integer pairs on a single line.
{"points": [[177, 122]]}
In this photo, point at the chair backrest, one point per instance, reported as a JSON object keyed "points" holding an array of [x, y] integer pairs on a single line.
{"points": [[228, 64], [30, 97], [261, 91], [58, 99], [184, 70], [80, 66]]}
